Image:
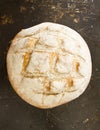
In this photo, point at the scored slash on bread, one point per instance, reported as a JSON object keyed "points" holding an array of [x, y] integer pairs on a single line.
{"points": [[48, 65]]}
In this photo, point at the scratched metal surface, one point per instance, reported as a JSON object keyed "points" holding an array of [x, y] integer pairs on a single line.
{"points": [[81, 15]]}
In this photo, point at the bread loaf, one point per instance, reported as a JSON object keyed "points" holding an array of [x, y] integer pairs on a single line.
{"points": [[48, 65]]}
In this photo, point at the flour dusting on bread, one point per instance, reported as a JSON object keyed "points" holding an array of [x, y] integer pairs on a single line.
{"points": [[48, 65]]}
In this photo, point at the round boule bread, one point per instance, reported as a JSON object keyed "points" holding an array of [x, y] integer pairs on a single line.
{"points": [[48, 65]]}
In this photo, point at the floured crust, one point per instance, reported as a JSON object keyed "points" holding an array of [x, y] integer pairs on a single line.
{"points": [[48, 65]]}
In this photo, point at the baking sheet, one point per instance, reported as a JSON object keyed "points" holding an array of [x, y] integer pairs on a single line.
{"points": [[80, 114]]}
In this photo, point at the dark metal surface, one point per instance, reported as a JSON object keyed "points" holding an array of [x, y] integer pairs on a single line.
{"points": [[81, 15]]}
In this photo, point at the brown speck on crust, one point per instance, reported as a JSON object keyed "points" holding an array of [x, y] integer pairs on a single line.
{"points": [[47, 28]]}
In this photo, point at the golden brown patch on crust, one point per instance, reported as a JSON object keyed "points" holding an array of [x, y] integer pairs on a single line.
{"points": [[26, 59], [70, 82], [48, 88], [77, 64], [47, 84], [32, 42]]}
